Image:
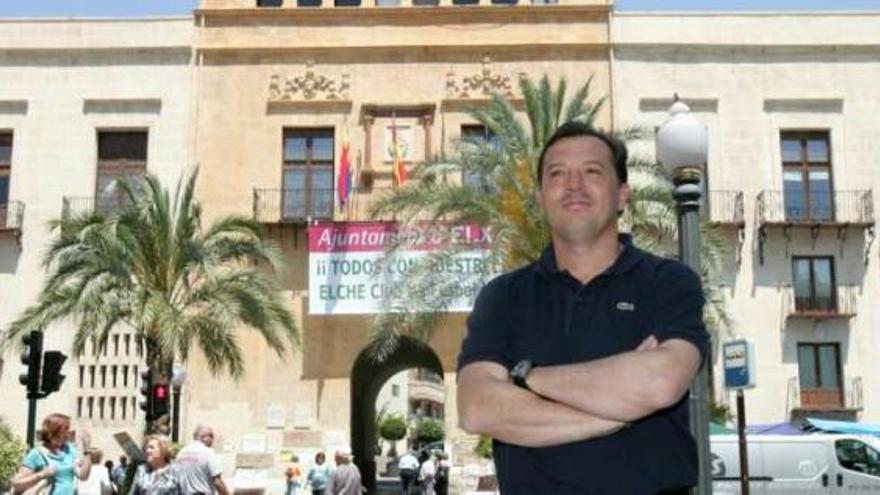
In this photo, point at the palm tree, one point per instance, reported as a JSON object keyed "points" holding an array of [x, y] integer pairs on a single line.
{"points": [[150, 267], [499, 196]]}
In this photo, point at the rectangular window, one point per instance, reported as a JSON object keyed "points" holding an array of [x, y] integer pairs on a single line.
{"points": [[112, 408], [127, 339], [79, 407], [477, 135], [270, 3], [125, 375], [395, 390], [308, 3], [123, 404], [121, 155], [116, 345], [103, 376], [387, 3], [426, 3], [101, 407], [82, 375], [465, 2], [113, 371], [819, 375], [308, 174], [92, 376], [91, 407], [815, 289], [347, 3], [5, 172], [806, 175]]}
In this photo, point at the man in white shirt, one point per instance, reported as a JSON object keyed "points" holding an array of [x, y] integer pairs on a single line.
{"points": [[197, 466], [409, 469]]}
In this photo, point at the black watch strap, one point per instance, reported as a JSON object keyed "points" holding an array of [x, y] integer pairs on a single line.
{"points": [[520, 372]]}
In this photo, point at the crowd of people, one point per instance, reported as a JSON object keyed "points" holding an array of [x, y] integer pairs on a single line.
{"points": [[431, 477], [64, 463]]}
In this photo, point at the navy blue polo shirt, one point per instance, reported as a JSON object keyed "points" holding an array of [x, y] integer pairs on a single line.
{"points": [[543, 314]]}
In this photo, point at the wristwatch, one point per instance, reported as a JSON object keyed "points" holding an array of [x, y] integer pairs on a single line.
{"points": [[520, 372]]}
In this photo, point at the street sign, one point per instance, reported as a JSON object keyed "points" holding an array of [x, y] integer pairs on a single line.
{"points": [[739, 364]]}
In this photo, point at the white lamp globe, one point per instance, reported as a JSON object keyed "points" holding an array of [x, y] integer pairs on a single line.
{"points": [[682, 141]]}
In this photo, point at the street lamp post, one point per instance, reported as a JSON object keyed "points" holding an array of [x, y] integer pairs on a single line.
{"points": [[682, 147], [178, 378]]}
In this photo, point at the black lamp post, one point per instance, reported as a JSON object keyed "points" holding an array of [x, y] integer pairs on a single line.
{"points": [[682, 147]]}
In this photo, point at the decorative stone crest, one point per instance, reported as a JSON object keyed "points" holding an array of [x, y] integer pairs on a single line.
{"points": [[308, 87], [480, 85]]}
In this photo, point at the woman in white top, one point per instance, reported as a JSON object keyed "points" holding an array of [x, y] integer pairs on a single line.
{"points": [[426, 474], [98, 482]]}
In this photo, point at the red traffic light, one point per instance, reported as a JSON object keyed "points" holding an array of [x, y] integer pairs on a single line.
{"points": [[160, 392]]}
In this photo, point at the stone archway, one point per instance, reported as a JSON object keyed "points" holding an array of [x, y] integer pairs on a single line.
{"points": [[367, 377]]}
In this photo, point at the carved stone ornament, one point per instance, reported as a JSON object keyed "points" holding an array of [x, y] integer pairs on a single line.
{"points": [[308, 87], [480, 85]]}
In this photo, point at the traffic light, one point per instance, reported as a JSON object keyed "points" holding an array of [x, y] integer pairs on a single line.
{"points": [[31, 357], [160, 400], [147, 394], [52, 377]]}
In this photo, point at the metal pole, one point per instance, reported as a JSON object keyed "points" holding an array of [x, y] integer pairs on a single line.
{"points": [[32, 421], [743, 447], [175, 415], [687, 198]]}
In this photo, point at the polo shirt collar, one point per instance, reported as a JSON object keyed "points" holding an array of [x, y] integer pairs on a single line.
{"points": [[627, 260]]}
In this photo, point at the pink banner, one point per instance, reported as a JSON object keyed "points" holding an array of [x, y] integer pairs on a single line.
{"points": [[342, 237]]}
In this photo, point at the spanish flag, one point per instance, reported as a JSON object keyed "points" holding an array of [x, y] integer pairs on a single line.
{"points": [[399, 165]]}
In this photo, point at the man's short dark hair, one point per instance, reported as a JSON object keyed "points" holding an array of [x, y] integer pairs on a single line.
{"points": [[579, 129]]}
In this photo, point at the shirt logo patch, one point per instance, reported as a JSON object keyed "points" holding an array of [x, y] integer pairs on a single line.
{"points": [[626, 306]]}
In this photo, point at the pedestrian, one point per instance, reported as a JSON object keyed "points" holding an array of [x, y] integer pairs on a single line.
{"points": [[117, 475], [108, 465], [98, 482], [318, 474], [54, 461], [346, 478], [156, 476], [293, 475], [579, 363], [408, 465], [426, 475], [197, 465], [441, 474]]}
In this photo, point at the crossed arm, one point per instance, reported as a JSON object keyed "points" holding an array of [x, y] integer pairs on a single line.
{"points": [[576, 401]]}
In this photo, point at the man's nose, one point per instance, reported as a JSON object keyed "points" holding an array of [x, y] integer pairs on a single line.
{"points": [[574, 180]]}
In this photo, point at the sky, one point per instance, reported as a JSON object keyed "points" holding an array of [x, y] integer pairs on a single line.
{"points": [[138, 8]]}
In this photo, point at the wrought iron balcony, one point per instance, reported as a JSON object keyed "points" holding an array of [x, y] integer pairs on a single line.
{"points": [[847, 397], [726, 208], [293, 205], [81, 205], [11, 216], [841, 303], [840, 210], [854, 208]]}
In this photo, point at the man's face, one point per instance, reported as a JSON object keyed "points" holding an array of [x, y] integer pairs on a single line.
{"points": [[206, 436], [579, 192]]}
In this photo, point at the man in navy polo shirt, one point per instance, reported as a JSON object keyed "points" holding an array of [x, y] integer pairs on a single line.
{"points": [[578, 365]]}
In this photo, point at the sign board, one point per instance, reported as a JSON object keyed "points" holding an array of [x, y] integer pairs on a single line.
{"points": [[349, 272], [130, 447], [739, 364]]}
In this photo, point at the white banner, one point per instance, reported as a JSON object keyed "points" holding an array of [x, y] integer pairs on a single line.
{"points": [[348, 272]]}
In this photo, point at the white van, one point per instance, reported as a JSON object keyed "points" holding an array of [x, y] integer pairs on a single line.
{"points": [[794, 464]]}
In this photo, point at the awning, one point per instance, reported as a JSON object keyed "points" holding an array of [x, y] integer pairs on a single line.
{"points": [[848, 427]]}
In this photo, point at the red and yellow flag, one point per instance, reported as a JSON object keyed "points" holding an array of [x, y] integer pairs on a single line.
{"points": [[399, 165]]}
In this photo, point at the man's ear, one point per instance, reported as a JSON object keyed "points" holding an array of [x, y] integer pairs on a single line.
{"points": [[623, 198]]}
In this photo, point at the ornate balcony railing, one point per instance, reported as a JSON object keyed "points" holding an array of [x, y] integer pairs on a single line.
{"points": [[726, 208], [850, 396], [293, 205], [841, 303], [11, 215], [838, 207]]}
